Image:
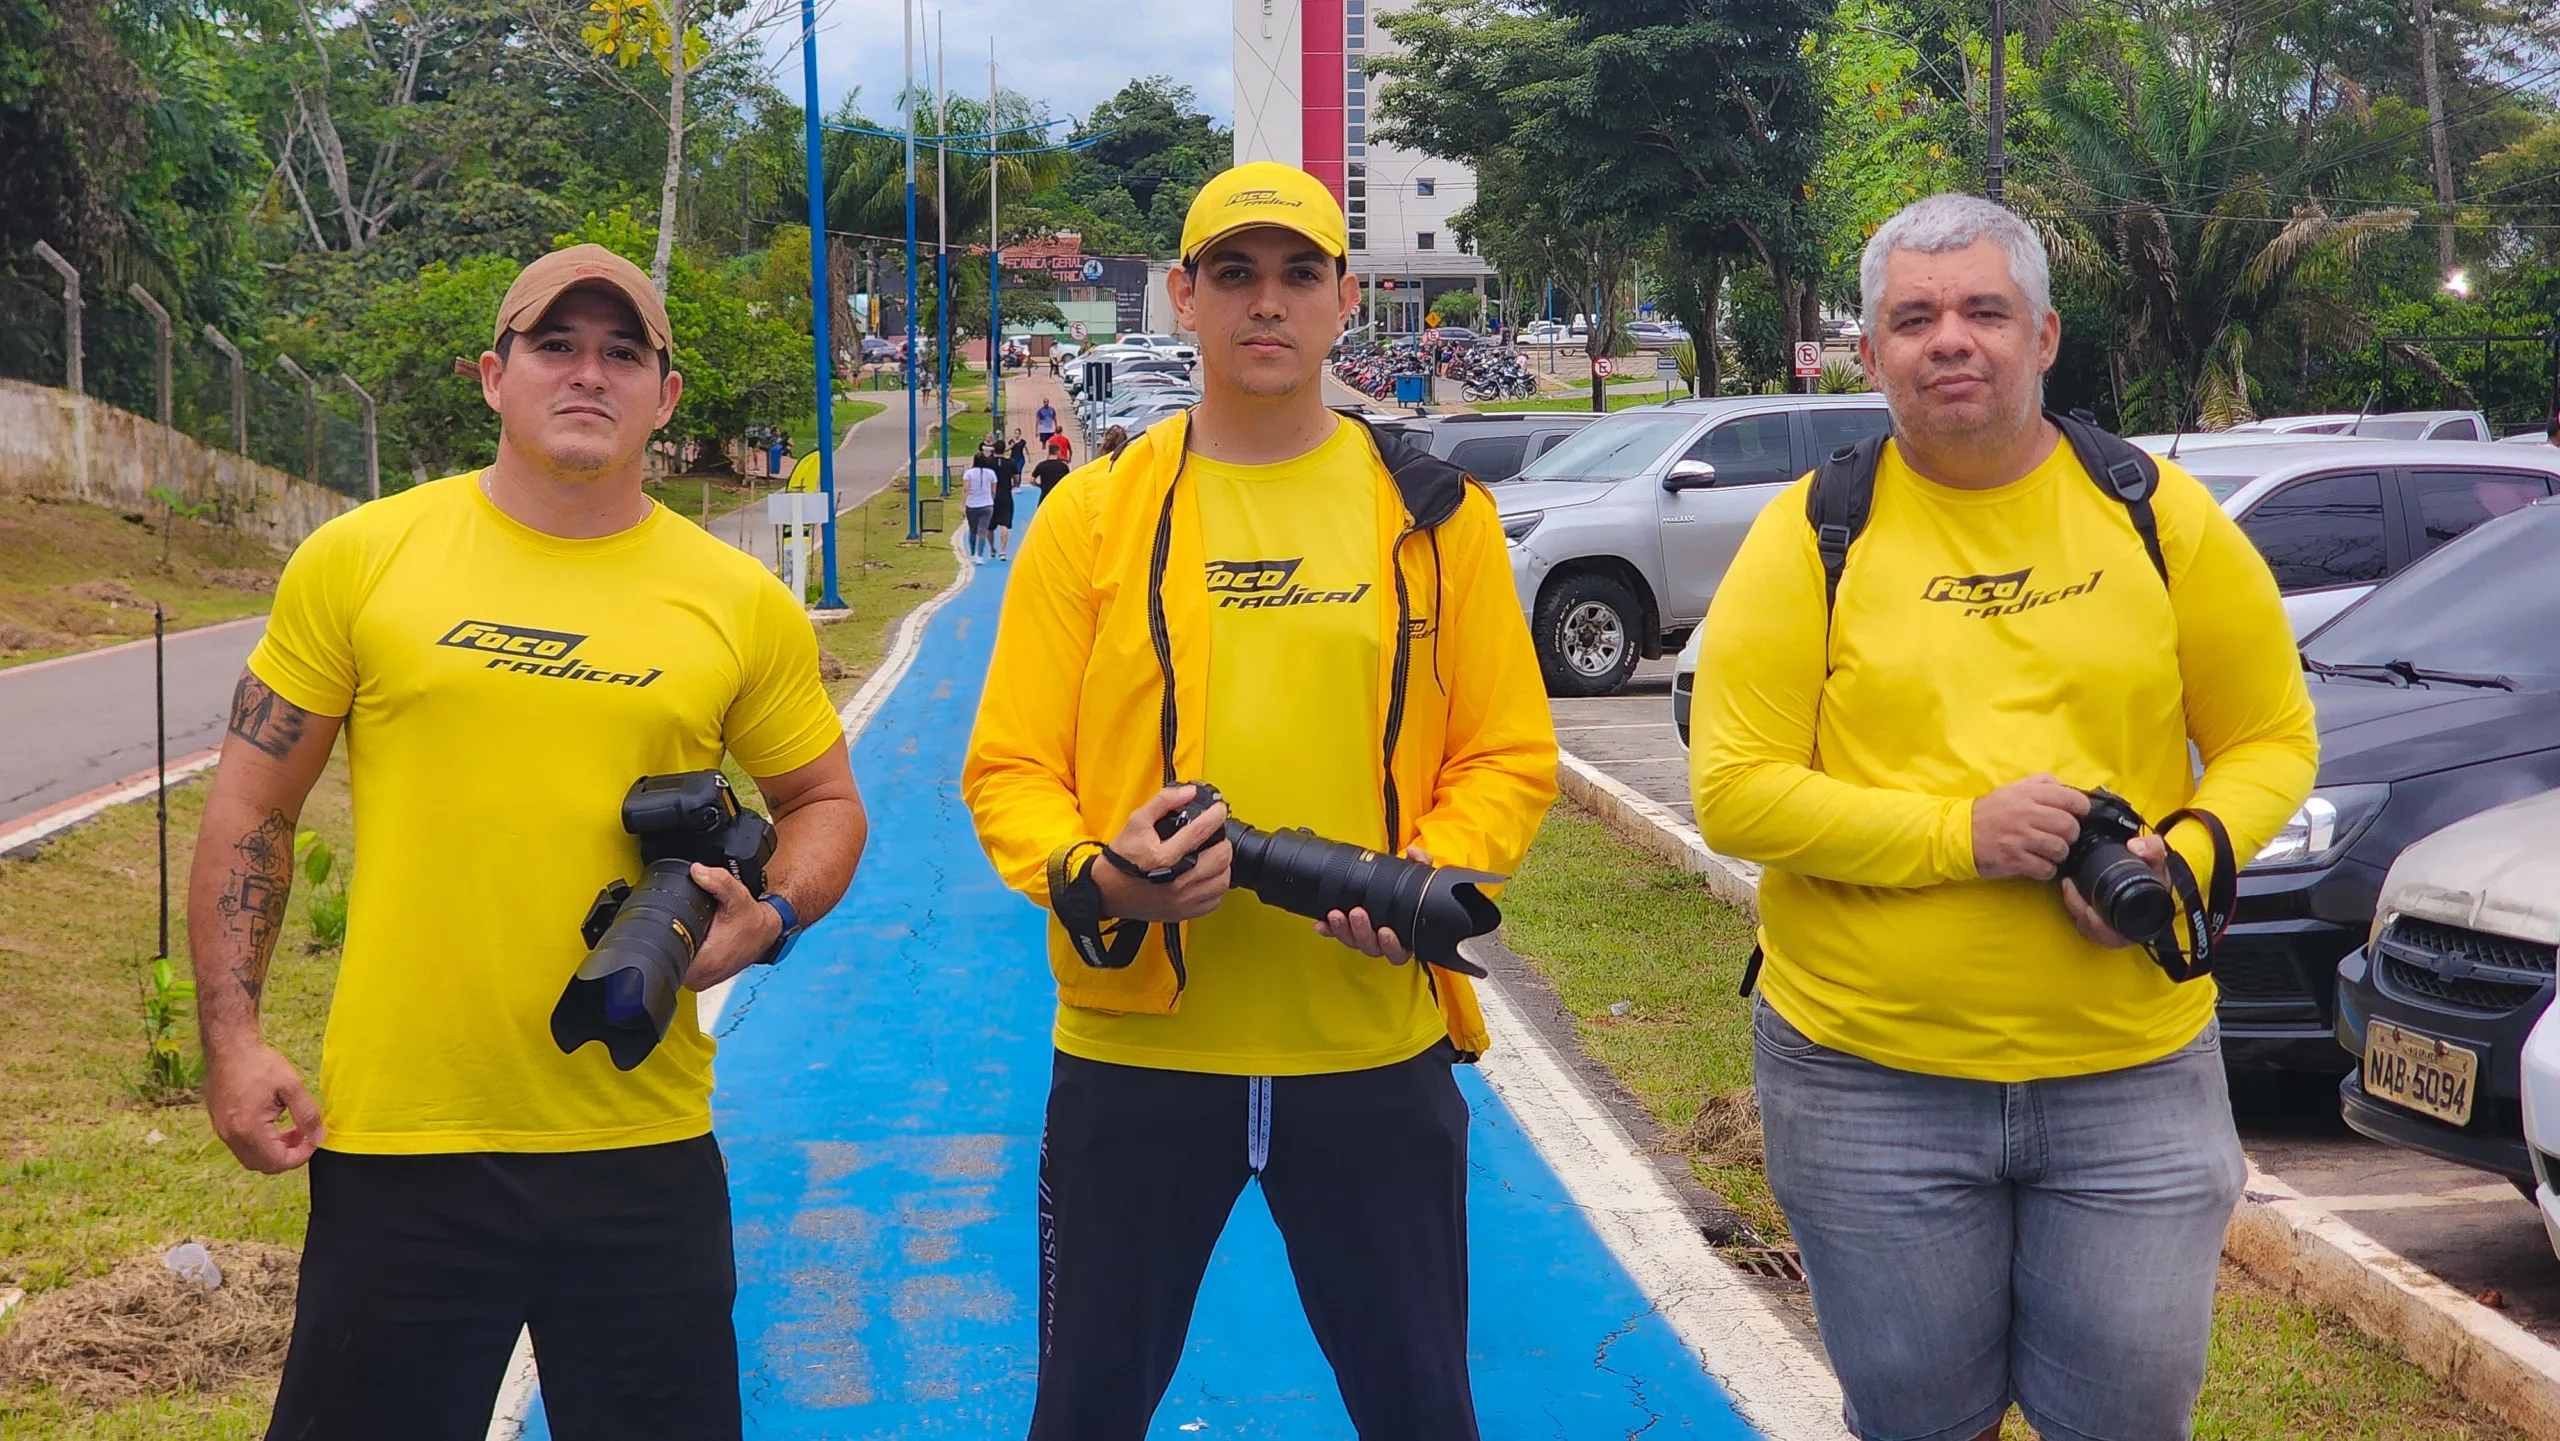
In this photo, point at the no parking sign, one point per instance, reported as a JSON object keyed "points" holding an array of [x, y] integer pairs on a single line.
{"points": [[1808, 357], [1602, 366]]}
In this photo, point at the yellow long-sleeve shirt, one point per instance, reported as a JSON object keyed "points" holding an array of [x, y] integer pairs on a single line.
{"points": [[1981, 637]]}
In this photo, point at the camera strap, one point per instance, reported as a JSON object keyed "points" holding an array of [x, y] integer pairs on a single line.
{"points": [[1077, 901], [2208, 914]]}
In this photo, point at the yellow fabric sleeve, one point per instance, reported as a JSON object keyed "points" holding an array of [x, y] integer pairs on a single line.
{"points": [[1499, 775], [1752, 738], [782, 719], [308, 653]]}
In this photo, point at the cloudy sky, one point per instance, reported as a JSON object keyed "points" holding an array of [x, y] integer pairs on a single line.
{"points": [[1070, 53]]}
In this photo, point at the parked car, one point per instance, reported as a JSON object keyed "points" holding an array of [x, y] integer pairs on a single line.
{"points": [[1454, 335], [1490, 447], [1656, 333], [1620, 534], [2535, 436], [2390, 425], [875, 349], [2443, 1003], [1164, 345], [2541, 1087], [1542, 332]]}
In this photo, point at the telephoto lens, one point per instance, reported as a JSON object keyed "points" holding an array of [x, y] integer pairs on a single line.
{"points": [[1430, 908], [642, 939], [2117, 885]]}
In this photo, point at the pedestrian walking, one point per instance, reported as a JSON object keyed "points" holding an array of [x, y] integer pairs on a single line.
{"points": [[524, 641], [1994, 1116], [1047, 420], [1008, 468], [978, 504], [1049, 472], [1213, 1041], [1060, 448]]}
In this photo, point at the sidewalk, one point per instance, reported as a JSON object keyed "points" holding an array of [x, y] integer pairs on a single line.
{"points": [[870, 456]]}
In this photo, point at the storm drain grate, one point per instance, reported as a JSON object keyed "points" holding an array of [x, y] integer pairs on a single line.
{"points": [[1778, 1263]]}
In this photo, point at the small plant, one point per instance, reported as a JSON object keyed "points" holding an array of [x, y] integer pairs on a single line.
{"points": [[167, 999], [1842, 377], [327, 908], [171, 508]]}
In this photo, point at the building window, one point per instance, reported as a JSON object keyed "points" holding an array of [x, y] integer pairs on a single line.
{"points": [[1359, 207], [1357, 150], [1353, 7], [1356, 132], [1357, 96], [1352, 24], [1354, 189], [1425, 186], [1357, 171], [1422, 240], [1351, 42], [1359, 241]]}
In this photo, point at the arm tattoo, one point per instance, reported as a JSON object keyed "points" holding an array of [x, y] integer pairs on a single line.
{"points": [[264, 719], [253, 896]]}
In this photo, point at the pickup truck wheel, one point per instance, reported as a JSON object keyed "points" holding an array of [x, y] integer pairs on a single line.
{"points": [[1586, 632]]}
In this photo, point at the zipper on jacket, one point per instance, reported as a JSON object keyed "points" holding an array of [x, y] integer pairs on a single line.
{"points": [[1395, 696], [1168, 718]]}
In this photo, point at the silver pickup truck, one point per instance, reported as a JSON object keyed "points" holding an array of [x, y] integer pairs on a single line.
{"points": [[1620, 534]]}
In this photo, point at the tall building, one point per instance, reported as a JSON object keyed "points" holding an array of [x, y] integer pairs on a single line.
{"points": [[1303, 98]]}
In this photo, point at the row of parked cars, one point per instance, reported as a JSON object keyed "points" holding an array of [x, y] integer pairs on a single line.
{"points": [[1132, 382], [2401, 932]]}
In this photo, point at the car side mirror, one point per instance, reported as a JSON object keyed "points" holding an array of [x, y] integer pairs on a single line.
{"points": [[1689, 475]]}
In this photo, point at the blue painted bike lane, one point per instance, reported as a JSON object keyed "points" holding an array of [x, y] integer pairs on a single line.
{"points": [[880, 1102]]}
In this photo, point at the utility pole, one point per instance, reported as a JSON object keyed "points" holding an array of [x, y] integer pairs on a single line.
{"points": [[161, 332], [372, 439], [942, 241], [70, 313], [819, 304], [1995, 164], [2432, 86], [310, 416], [995, 260], [915, 492], [239, 388]]}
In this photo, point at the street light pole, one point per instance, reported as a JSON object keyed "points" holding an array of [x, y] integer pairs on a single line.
{"points": [[820, 305], [1995, 163], [995, 263], [915, 492], [942, 241]]}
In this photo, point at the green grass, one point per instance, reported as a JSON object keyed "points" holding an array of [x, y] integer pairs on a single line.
{"points": [[880, 578], [1580, 399], [76, 577], [849, 412], [1606, 922]]}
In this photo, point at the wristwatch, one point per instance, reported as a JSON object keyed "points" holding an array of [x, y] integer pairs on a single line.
{"points": [[791, 929]]}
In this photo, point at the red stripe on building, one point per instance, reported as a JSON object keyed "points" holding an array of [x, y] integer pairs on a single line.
{"points": [[1320, 89]]}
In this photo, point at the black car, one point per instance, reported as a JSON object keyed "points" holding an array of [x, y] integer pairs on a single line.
{"points": [[2439, 697]]}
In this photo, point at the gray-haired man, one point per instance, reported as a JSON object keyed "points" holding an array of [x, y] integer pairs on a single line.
{"points": [[1998, 1130]]}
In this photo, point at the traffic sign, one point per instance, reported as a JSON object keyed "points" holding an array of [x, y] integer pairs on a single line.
{"points": [[1432, 319], [1602, 366], [1078, 330], [1808, 357]]}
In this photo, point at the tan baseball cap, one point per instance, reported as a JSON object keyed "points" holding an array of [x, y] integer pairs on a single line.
{"points": [[547, 279]]}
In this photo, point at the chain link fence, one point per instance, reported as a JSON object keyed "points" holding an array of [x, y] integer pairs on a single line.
{"points": [[317, 437]]}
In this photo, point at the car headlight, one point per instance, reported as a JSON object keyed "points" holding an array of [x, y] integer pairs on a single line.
{"points": [[1516, 528], [2331, 818]]}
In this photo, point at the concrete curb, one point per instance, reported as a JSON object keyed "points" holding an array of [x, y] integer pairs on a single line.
{"points": [[2309, 1254], [2282, 1238], [66, 814]]}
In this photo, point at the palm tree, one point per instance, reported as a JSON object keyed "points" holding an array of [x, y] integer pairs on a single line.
{"points": [[2190, 195]]}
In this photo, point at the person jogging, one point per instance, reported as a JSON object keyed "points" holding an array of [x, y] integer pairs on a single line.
{"points": [[506, 652], [1046, 420], [1997, 1126], [978, 504], [1320, 621]]}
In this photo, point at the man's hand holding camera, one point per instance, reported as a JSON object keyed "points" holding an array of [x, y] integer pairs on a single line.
{"points": [[743, 928], [2026, 829], [1187, 897]]}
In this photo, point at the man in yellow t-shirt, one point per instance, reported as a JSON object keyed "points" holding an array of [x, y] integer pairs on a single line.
{"points": [[1321, 624], [506, 652], [1998, 1130]]}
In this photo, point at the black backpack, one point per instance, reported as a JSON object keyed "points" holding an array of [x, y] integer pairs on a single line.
{"points": [[1844, 491]]}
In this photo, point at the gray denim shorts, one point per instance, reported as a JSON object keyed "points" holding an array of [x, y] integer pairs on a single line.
{"points": [[1973, 1243]]}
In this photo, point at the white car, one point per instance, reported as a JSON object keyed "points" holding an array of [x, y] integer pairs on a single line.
{"points": [[1161, 345], [2334, 516], [2386, 425]]}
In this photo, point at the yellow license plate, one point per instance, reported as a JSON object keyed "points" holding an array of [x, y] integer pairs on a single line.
{"points": [[2422, 1073]]}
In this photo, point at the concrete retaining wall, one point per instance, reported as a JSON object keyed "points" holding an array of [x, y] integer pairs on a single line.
{"points": [[68, 447]]}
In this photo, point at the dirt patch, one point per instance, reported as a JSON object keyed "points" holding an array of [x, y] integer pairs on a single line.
{"points": [[1725, 1132], [831, 667], [255, 582], [141, 1330], [14, 636], [110, 590]]}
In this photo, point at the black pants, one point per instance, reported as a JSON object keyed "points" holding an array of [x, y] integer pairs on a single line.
{"points": [[1366, 1174], [418, 1271]]}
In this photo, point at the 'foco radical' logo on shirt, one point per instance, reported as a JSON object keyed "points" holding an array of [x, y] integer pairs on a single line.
{"points": [[522, 650], [1262, 584], [2010, 593]]}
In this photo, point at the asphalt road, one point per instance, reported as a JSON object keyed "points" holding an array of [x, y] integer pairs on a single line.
{"points": [[76, 724], [2468, 1227]]}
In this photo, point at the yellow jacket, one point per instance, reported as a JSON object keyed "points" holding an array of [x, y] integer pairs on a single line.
{"points": [[1074, 731]]}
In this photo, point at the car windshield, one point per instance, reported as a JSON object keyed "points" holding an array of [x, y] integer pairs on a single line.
{"points": [[2220, 487], [2388, 428], [2481, 605], [1612, 449]]}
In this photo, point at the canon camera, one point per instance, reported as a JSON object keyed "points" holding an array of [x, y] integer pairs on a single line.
{"points": [[1430, 908], [642, 938], [2115, 883]]}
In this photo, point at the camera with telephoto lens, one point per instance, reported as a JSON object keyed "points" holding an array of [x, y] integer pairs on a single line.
{"points": [[641, 939], [2116, 884], [1430, 908]]}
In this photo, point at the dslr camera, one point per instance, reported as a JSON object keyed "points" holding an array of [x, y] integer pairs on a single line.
{"points": [[642, 938], [1430, 908], [2117, 885]]}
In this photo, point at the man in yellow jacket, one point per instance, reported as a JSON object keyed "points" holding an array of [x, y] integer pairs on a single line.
{"points": [[1998, 1130], [1320, 622]]}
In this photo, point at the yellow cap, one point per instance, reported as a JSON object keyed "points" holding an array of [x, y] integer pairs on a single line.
{"points": [[1264, 192]]}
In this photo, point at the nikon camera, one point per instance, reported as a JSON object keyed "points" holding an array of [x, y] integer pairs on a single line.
{"points": [[641, 939]]}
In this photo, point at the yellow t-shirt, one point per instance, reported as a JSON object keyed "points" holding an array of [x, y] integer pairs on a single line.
{"points": [[1293, 734], [503, 688], [1982, 637]]}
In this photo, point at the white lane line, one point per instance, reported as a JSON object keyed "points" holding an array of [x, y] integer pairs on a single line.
{"points": [[79, 808], [524, 1381], [1778, 1384]]}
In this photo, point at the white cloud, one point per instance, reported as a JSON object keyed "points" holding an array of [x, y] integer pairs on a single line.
{"points": [[1068, 53]]}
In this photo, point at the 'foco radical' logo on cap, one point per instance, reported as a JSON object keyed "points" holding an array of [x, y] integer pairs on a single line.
{"points": [[1262, 197], [1985, 596], [523, 650]]}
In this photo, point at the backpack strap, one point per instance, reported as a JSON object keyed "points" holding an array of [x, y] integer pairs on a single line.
{"points": [[1837, 504], [2125, 471]]}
